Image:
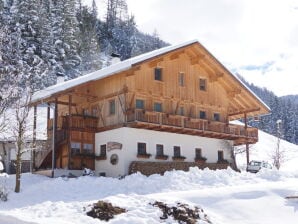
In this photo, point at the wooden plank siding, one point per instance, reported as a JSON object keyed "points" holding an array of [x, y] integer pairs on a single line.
{"points": [[89, 103]]}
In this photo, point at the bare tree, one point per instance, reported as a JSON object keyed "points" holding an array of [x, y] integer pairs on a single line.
{"points": [[278, 155], [21, 112]]}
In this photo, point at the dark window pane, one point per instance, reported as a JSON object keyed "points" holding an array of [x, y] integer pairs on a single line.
{"points": [[158, 74], [203, 115], [141, 148], [181, 79], [75, 148], [220, 155], [112, 107], [177, 152], [140, 104], [181, 111], [198, 153], [203, 84], [216, 116], [158, 107], [103, 150], [159, 150], [87, 148]]}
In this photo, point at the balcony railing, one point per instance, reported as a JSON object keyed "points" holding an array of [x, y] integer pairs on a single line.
{"points": [[200, 125], [74, 122]]}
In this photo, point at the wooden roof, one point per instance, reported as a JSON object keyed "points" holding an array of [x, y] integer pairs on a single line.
{"points": [[241, 98]]}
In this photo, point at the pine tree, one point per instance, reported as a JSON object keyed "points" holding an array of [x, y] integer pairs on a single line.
{"points": [[89, 47]]}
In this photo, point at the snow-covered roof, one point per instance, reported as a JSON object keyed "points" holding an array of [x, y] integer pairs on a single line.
{"points": [[123, 66], [105, 72]]}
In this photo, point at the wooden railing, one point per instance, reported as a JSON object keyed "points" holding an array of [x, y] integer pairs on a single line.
{"points": [[164, 119], [74, 122]]}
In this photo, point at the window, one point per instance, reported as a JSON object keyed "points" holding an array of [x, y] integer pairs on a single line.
{"points": [[203, 84], [181, 111], [181, 79], [87, 148], [112, 107], [203, 115], [216, 116], [159, 150], [141, 148], [157, 107], [103, 150], [140, 104], [198, 153], [158, 74], [75, 148], [220, 155], [177, 151]]}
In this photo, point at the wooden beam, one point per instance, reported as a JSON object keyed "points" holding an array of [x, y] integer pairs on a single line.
{"points": [[244, 111], [154, 63], [62, 103], [176, 55]]}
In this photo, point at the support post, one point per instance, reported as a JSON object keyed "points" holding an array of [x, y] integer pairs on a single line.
{"points": [[69, 130], [246, 145], [33, 151], [55, 116]]}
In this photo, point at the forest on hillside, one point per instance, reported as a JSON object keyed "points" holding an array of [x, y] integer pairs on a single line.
{"points": [[283, 108], [42, 39]]}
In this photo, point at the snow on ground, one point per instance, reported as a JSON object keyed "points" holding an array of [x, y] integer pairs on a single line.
{"points": [[264, 150], [225, 195]]}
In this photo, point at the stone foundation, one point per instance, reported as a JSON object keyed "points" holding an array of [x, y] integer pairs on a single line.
{"points": [[149, 168]]}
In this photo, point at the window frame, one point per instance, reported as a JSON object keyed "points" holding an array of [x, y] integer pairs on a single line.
{"points": [[142, 148], [87, 150], [176, 151], [103, 150], [201, 113], [203, 84], [216, 116], [143, 104], [75, 150], [155, 108], [112, 107], [158, 73], [220, 155], [181, 79], [198, 152], [159, 148]]}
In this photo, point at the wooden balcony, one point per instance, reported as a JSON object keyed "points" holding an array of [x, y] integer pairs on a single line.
{"points": [[193, 126], [79, 122]]}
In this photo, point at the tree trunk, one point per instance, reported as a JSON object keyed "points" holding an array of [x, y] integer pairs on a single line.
{"points": [[18, 173]]}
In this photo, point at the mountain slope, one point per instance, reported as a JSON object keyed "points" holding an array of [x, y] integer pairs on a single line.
{"points": [[264, 150]]}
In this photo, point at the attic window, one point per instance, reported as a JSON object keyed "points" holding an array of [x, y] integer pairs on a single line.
{"points": [[181, 79], [158, 74], [203, 84]]}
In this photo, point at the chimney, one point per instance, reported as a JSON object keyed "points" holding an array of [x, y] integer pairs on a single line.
{"points": [[115, 58], [60, 77]]}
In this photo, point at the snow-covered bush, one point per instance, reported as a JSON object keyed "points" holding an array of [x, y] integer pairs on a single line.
{"points": [[3, 189]]}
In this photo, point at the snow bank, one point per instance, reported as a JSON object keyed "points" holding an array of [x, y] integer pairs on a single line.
{"points": [[46, 200]]}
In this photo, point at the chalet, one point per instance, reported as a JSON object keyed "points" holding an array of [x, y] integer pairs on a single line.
{"points": [[166, 109]]}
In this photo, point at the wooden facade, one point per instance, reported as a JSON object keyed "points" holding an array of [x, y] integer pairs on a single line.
{"points": [[185, 90]]}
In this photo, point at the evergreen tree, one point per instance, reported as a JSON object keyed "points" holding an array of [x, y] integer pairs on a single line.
{"points": [[89, 47]]}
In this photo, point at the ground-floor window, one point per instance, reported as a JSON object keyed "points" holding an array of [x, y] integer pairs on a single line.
{"points": [[103, 150], [177, 151], [87, 148], [220, 155], [159, 150], [75, 148], [141, 148], [198, 153]]}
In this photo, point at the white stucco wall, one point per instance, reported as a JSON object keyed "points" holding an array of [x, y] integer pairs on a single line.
{"points": [[129, 137]]}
